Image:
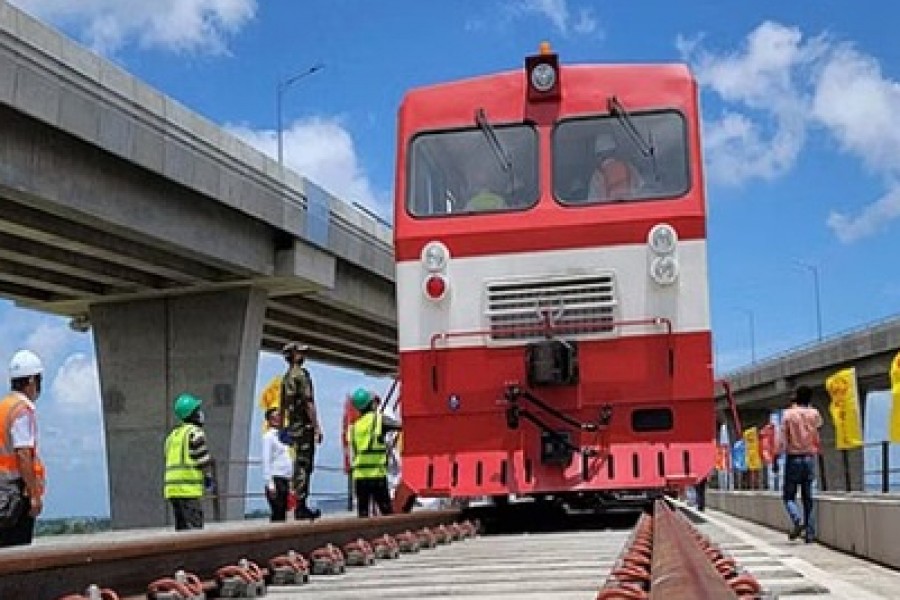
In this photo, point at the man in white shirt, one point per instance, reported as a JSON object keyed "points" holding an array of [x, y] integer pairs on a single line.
{"points": [[21, 470], [277, 466]]}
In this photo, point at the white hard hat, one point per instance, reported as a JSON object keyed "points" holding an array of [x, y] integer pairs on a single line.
{"points": [[605, 142], [25, 363]]}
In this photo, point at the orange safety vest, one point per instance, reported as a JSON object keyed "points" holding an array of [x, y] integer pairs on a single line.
{"points": [[11, 407], [618, 178]]}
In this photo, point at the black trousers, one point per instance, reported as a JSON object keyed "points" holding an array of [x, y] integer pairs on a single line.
{"points": [[21, 532], [700, 492], [369, 490], [188, 513], [278, 501]]}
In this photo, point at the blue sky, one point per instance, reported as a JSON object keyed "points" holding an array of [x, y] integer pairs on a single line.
{"points": [[802, 143]]}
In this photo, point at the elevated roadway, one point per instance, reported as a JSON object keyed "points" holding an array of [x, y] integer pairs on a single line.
{"points": [[112, 192], [767, 385], [184, 250]]}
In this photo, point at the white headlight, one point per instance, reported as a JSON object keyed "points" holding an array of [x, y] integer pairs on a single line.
{"points": [[664, 270], [543, 77], [435, 256], [662, 239]]}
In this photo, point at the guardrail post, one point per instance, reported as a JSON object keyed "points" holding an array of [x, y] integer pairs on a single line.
{"points": [[885, 467], [823, 485], [350, 492], [845, 458]]}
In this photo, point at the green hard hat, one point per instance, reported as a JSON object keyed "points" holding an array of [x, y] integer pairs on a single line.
{"points": [[185, 405], [361, 398]]}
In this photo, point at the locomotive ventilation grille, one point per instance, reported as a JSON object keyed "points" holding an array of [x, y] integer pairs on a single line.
{"points": [[579, 304]]}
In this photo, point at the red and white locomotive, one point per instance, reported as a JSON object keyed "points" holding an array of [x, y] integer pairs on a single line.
{"points": [[550, 238]]}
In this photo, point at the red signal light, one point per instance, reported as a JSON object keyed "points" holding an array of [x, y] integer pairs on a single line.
{"points": [[435, 287]]}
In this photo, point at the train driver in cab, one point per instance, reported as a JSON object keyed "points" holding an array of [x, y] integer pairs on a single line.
{"points": [[614, 176], [484, 190]]}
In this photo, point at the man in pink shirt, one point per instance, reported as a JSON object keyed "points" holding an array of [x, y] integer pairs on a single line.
{"points": [[800, 425]]}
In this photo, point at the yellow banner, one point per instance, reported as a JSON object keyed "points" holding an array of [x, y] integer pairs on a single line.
{"points": [[751, 441], [894, 430], [270, 397], [844, 408]]}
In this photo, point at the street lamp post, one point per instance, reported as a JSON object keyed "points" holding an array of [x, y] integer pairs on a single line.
{"points": [[280, 90], [752, 321], [815, 273]]}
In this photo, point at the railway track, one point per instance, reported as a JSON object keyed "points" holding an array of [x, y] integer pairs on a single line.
{"points": [[667, 558], [663, 556]]}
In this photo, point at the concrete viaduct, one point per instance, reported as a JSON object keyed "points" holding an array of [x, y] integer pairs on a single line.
{"points": [[767, 385], [185, 250]]}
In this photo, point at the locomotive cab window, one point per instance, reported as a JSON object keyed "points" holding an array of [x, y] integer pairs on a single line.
{"points": [[636, 156], [481, 170]]}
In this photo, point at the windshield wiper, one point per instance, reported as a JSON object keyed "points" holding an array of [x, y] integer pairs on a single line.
{"points": [[617, 110], [491, 135], [500, 152]]}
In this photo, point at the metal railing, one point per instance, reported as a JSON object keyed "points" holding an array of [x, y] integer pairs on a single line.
{"points": [[333, 495], [884, 473], [830, 477]]}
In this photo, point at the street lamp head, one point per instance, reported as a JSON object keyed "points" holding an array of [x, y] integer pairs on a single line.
{"points": [[289, 81], [280, 90]]}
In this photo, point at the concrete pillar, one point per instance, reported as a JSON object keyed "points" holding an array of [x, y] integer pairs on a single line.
{"points": [[148, 352]]}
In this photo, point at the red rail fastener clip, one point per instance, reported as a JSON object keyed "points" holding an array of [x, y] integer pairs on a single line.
{"points": [[288, 569], [443, 534], [385, 547], [427, 538], [94, 592], [469, 529], [184, 586], [328, 560], [359, 553], [408, 541], [243, 580]]}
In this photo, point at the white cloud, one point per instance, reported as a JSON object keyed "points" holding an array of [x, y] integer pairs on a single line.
{"points": [[859, 106], [76, 386], [179, 25], [322, 150], [781, 84], [49, 340], [871, 219], [764, 77], [558, 13]]}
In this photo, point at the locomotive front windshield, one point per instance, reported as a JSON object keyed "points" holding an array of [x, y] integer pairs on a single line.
{"points": [[620, 157], [483, 169]]}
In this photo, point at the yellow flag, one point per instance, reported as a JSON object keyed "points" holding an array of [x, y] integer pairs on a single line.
{"points": [[751, 445], [844, 408], [894, 432], [270, 397]]}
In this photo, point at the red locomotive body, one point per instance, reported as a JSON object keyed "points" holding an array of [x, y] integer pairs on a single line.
{"points": [[550, 238]]}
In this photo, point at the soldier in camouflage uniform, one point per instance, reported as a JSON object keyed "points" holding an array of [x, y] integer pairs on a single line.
{"points": [[298, 410]]}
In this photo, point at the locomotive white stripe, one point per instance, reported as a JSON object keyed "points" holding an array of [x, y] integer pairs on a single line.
{"points": [[685, 303]]}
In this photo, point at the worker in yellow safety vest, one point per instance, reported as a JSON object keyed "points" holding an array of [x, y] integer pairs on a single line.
{"points": [[21, 471], [370, 455], [188, 464]]}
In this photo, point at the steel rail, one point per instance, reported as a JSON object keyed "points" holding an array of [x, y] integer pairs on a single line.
{"points": [[679, 568], [129, 565]]}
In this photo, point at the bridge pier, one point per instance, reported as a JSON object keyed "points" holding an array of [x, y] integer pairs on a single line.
{"points": [[148, 352]]}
